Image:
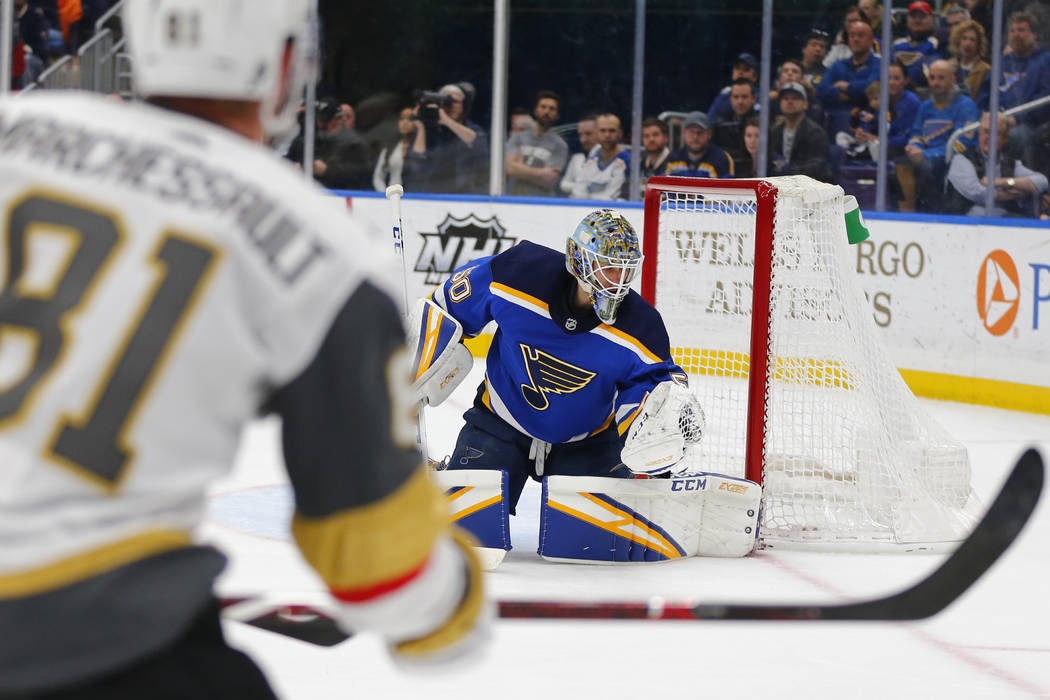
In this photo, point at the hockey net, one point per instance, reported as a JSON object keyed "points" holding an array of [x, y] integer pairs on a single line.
{"points": [[764, 312]]}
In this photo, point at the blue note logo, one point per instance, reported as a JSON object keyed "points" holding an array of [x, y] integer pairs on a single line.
{"points": [[549, 375]]}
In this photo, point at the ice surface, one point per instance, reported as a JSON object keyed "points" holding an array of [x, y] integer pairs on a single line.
{"points": [[992, 643]]}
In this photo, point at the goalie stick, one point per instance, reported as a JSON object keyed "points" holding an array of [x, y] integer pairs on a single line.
{"points": [[999, 527], [394, 193]]}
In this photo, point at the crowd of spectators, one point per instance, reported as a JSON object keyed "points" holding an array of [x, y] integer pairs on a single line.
{"points": [[823, 114], [46, 30]]}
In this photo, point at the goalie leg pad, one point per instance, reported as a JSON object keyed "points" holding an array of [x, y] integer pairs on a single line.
{"points": [[732, 508], [439, 360], [601, 520], [478, 503]]}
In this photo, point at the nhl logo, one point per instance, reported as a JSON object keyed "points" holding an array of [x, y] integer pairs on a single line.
{"points": [[570, 324], [458, 241]]}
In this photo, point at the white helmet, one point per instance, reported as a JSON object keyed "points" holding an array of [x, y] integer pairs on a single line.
{"points": [[224, 49]]}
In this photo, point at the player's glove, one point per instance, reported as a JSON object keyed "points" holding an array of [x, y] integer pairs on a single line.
{"points": [[670, 419]]}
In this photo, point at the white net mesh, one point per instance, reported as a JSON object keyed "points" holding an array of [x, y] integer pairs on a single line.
{"points": [[850, 457]]}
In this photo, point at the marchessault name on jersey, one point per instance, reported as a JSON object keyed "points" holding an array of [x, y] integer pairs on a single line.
{"points": [[286, 244]]}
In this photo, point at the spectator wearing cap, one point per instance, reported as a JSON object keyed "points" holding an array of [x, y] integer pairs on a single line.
{"points": [[536, 157], [604, 173], [698, 157], [921, 46], [449, 152], [844, 84], [797, 144], [945, 111], [342, 160], [729, 133], [745, 66], [814, 49]]}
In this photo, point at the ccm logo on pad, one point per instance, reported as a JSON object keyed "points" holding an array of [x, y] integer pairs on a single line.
{"points": [[689, 485]]}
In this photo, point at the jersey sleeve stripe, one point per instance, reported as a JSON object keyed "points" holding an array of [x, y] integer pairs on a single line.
{"points": [[628, 341], [91, 563], [515, 296], [374, 544]]}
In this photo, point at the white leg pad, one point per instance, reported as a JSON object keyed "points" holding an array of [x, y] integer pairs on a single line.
{"points": [[604, 520]]}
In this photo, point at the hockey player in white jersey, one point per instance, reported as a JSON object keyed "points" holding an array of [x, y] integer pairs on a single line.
{"points": [[163, 279]]}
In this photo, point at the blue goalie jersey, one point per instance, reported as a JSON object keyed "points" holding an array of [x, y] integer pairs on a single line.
{"points": [[555, 373]]}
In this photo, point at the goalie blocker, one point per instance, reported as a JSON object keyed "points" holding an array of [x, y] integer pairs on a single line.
{"points": [[440, 361]]}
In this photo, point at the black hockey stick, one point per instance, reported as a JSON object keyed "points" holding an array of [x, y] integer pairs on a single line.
{"points": [[999, 527]]}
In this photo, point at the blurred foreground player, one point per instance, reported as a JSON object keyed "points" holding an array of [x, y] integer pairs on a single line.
{"points": [[164, 279], [579, 379]]}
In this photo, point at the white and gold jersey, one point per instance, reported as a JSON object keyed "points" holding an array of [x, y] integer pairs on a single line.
{"points": [[163, 281]]}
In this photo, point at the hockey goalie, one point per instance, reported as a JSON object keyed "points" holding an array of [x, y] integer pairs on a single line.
{"points": [[581, 393]]}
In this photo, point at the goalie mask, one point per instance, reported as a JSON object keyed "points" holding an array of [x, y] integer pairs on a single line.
{"points": [[224, 49], [603, 255]]}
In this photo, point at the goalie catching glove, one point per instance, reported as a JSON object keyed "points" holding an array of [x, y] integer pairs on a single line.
{"points": [[440, 361], [670, 419]]}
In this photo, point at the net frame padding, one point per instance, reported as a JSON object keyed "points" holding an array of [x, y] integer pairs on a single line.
{"points": [[765, 313]]}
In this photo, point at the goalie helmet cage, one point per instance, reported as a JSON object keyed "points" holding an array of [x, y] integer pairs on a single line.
{"points": [[754, 283]]}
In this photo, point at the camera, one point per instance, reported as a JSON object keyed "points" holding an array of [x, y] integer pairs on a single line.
{"points": [[430, 102]]}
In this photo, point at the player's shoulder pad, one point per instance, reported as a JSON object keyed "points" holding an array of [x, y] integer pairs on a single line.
{"points": [[530, 268], [637, 318]]}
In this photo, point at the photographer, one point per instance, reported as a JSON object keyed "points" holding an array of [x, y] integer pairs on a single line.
{"points": [[449, 152], [342, 160]]}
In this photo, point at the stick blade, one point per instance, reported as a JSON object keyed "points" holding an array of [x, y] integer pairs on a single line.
{"points": [[992, 536]]}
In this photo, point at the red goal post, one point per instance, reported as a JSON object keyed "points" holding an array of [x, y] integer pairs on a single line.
{"points": [[763, 310]]}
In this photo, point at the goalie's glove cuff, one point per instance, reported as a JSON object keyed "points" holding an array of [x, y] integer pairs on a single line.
{"points": [[670, 419]]}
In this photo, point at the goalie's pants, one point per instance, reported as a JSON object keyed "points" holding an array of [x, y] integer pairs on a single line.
{"points": [[198, 666], [489, 442]]}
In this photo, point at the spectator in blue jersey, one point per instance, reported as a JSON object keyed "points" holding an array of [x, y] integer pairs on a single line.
{"points": [[814, 49], [946, 110], [921, 46], [745, 66], [575, 353], [968, 46], [902, 110], [604, 173], [698, 157], [839, 48], [797, 144], [1017, 189], [843, 85], [1026, 77]]}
